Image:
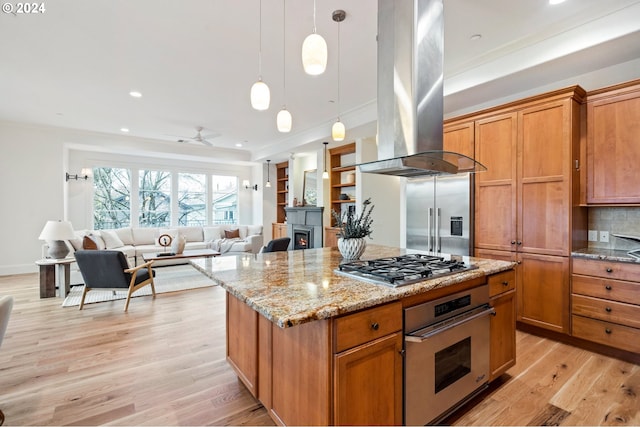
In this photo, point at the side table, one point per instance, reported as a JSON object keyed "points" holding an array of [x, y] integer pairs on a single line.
{"points": [[54, 273]]}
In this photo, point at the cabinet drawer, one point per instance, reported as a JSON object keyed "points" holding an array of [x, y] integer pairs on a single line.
{"points": [[501, 282], [358, 328], [606, 333], [610, 311], [610, 289], [607, 269]]}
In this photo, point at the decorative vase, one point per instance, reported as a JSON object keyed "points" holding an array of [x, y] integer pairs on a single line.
{"points": [[177, 246], [352, 248]]}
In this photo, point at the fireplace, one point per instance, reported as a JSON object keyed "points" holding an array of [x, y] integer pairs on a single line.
{"points": [[302, 237], [304, 226]]}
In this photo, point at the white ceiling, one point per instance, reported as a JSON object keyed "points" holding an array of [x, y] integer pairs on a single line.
{"points": [[195, 60]]}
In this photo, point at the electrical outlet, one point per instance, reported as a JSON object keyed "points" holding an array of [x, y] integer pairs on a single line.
{"points": [[593, 235], [604, 236]]}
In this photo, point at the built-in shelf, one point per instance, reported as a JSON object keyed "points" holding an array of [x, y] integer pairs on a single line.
{"points": [[342, 176], [282, 192]]}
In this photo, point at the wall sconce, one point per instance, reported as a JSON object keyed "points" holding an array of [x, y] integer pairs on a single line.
{"points": [[245, 184], [84, 174]]}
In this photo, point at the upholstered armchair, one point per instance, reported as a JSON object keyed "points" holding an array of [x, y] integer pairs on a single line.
{"points": [[6, 303], [277, 245], [109, 269]]}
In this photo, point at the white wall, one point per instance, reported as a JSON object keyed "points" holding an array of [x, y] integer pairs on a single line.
{"points": [[385, 192], [33, 188]]}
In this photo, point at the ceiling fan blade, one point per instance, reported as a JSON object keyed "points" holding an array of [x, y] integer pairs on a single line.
{"points": [[207, 143]]}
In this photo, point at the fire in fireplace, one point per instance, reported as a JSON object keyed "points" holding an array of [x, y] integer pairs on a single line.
{"points": [[302, 238]]}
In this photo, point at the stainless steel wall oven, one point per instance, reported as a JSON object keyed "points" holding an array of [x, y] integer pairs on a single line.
{"points": [[447, 354]]}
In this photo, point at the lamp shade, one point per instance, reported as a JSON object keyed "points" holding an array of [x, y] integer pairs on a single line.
{"points": [[314, 54], [57, 230], [338, 131], [283, 120], [260, 96]]}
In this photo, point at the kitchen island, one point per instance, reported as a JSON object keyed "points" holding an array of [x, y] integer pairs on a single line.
{"points": [[318, 348]]}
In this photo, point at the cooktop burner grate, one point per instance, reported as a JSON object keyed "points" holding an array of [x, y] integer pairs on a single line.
{"points": [[402, 270]]}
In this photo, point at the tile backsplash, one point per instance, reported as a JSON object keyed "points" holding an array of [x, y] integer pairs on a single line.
{"points": [[615, 220]]}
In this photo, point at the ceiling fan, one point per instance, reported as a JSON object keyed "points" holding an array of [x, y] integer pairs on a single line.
{"points": [[199, 138]]}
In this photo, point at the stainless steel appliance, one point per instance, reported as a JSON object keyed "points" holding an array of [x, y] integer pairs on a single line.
{"points": [[439, 214], [446, 354], [403, 270]]}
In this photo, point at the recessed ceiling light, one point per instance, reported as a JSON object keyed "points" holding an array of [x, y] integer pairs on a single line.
{"points": [[476, 37], [135, 94], [238, 145], [555, 1], [124, 129]]}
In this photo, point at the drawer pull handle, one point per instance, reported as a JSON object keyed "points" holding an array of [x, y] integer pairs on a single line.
{"points": [[519, 243], [609, 270], [513, 242], [505, 283], [375, 326], [607, 309], [607, 331], [607, 287]]}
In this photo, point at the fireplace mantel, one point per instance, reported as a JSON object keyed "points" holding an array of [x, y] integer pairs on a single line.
{"points": [[308, 218]]}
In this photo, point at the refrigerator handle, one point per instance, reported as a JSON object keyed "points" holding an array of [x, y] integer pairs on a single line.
{"points": [[429, 227], [437, 230]]}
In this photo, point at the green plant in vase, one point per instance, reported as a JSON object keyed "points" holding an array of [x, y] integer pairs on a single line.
{"points": [[353, 229]]}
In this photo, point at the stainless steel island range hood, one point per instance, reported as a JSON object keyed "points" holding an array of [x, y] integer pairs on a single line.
{"points": [[410, 92]]}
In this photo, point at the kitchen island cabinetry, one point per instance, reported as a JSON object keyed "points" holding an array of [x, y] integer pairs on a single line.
{"points": [[613, 152], [605, 303], [502, 292], [328, 350]]}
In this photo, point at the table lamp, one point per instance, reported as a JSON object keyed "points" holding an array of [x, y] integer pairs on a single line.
{"points": [[55, 233]]}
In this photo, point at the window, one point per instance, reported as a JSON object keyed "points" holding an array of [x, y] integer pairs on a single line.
{"points": [[224, 199], [155, 199], [111, 198], [192, 199]]}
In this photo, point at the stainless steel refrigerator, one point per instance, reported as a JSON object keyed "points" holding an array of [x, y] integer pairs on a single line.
{"points": [[440, 214]]}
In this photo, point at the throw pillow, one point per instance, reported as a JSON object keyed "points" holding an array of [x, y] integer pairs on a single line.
{"points": [[211, 233], [230, 234], [88, 243], [111, 239]]}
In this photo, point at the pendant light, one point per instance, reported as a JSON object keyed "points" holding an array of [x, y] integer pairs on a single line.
{"points": [[338, 130], [260, 95], [268, 184], [314, 51], [283, 119], [325, 174]]}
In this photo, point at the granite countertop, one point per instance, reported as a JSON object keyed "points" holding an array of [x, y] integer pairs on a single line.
{"points": [[605, 254], [294, 287]]}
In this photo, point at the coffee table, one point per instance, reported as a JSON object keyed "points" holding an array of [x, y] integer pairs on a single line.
{"points": [[194, 253]]}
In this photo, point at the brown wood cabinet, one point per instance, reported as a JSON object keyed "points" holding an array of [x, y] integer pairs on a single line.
{"points": [[331, 237], [278, 230], [502, 291], [605, 303], [242, 349], [459, 138], [613, 151], [525, 201]]}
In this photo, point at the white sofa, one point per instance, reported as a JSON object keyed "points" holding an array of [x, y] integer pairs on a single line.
{"points": [[135, 241]]}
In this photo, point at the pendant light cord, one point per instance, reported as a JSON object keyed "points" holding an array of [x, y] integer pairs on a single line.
{"points": [[260, 43], [338, 70], [314, 16], [284, 51]]}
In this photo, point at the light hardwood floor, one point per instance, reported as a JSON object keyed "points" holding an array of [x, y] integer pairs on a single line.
{"points": [[163, 363]]}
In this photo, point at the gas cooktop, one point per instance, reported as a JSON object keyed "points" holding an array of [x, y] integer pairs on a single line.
{"points": [[402, 270]]}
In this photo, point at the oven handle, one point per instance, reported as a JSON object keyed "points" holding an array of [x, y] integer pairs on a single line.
{"points": [[451, 323]]}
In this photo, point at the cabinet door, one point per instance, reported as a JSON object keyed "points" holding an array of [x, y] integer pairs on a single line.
{"points": [[613, 151], [544, 177], [459, 138], [495, 198], [368, 383], [543, 291], [242, 349], [503, 334]]}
